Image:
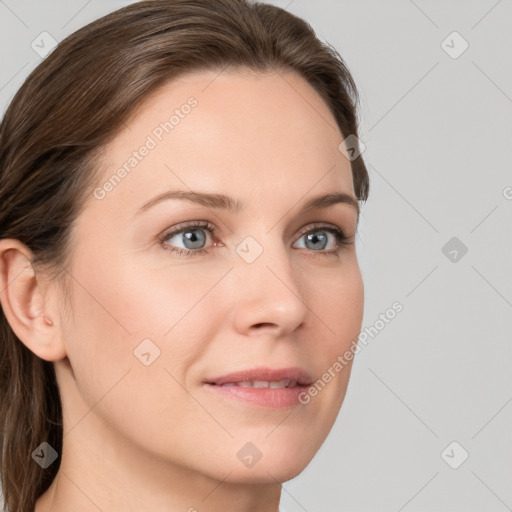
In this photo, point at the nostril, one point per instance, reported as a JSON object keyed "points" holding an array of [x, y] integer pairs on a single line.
{"points": [[263, 324]]}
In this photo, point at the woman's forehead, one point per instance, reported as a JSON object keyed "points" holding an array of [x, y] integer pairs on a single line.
{"points": [[232, 122]]}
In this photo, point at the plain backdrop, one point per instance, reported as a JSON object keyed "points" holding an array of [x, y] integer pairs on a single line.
{"points": [[427, 420]]}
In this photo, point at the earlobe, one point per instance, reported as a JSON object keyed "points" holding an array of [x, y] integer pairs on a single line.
{"points": [[27, 302]]}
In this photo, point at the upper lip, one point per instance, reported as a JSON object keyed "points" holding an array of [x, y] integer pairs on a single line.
{"points": [[265, 374]]}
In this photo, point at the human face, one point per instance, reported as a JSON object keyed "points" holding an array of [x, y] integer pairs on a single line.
{"points": [[255, 292]]}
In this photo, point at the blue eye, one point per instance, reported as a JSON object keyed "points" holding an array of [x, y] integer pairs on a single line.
{"points": [[193, 238], [316, 238]]}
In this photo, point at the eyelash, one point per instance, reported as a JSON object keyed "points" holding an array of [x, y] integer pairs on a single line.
{"points": [[341, 239]]}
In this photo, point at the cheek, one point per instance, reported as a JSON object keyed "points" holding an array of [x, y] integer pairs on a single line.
{"points": [[118, 310], [339, 305], [338, 301], [351, 305], [113, 313]]}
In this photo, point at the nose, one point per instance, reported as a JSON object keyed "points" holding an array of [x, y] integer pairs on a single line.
{"points": [[269, 295]]}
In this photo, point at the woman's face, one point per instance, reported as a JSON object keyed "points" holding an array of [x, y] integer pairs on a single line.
{"points": [[162, 306]]}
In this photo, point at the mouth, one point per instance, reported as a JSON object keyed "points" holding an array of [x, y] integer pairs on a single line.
{"points": [[264, 387], [259, 384], [264, 377]]}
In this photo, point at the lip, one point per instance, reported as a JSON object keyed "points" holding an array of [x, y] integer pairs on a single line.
{"points": [[263, 373], [270, 398]]}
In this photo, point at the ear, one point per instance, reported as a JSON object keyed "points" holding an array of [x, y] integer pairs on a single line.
{"points": [[29, 302]]}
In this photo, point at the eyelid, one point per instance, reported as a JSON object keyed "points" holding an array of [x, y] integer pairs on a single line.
{"points": [[182, 226], [319, 225]]}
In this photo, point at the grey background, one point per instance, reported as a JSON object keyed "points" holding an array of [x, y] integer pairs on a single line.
{"points": [[437, 133]]}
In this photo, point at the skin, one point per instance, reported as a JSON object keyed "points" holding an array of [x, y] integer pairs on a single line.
{"points": [[142, 437]]}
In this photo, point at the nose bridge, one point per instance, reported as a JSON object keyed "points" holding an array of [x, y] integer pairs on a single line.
{"points": [[264, 254], [270, 290]]}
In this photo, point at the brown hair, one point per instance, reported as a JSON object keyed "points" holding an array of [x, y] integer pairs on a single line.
{"points": [[68, 108]]}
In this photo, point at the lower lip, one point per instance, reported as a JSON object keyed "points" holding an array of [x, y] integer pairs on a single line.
{"points": [[273, 398]]}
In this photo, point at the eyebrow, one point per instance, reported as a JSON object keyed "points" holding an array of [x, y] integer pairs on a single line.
{"points": [[221, 201]]}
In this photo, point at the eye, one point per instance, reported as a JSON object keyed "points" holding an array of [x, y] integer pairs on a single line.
{"points": [[316, 238], [193, 238]]}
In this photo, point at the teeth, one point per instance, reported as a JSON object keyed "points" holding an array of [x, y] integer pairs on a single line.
{"points": [[264, 384], [280, 384]]}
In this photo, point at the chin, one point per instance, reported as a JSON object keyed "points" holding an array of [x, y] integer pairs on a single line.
{"points": [[269, 474], [276, 466]]}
